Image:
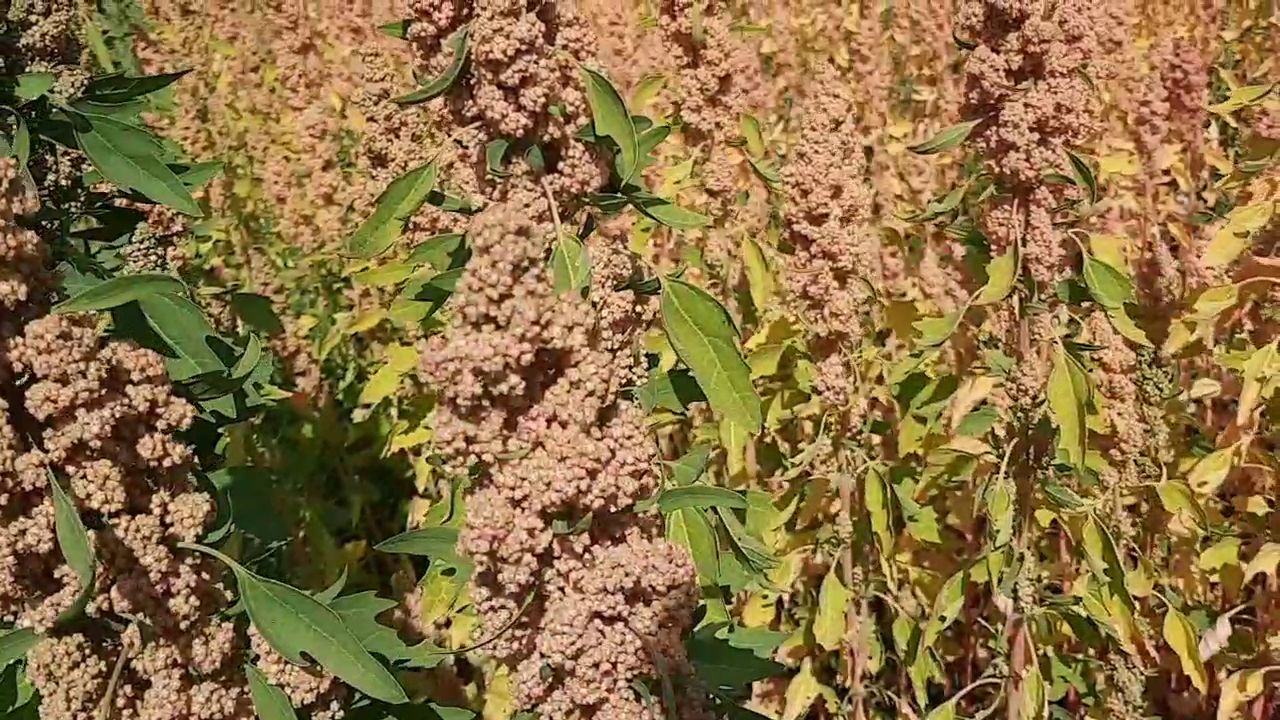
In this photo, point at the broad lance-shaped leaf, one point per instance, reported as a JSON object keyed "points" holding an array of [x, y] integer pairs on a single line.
{"points": [[570, 264], [119, 291], [668, 213], [391, 211], [116, 153], [700, 496], [269, 701], [1002, 274], [293, 623], [1083, 176], [73, 542], [1181, 636], [946, 139], [115, 89], [458, 44], [1067, 406], [829, 625], [610, 118], [433, 542], [185, 329], [1109, 286], [14, 645], [703, 338]]}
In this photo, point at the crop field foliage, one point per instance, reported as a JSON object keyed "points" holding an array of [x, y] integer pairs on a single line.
{"points": [[639, 359]]}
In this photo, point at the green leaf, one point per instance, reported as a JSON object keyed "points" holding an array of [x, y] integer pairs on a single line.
{"points": [[120, 290], [1002, 275], [199, 175], [442, 252], [495, 153], [699, 330], [119, 154], [751, 549], [667, 213], [186, 330], [946, 139], [435, 542], [570, 264], [33, 85], [725, 668], [674, 391], [946, 607], [1067, 406], [269, 701], [934, 331], [442, 82], [359, 612], [689, 468], [1083, 176], [398, 29], [1125, 325], [610, 119], [391, 211], [690, 528], [116, 89], [1110, 287], [293, 623], [14, 645], [255, 311], [699, 496], [1242, 97], [73, 542]]}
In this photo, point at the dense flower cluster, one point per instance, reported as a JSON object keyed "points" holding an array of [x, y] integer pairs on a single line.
{"points": [[529, 384], [1030, 82]]}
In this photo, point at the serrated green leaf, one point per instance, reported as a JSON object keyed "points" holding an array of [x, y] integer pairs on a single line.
{"points": [[292, 622], [702, 336], [946, 139], [458, 44], [610, 119], [725, 668], [119, 291], [699, 496], [393, 208]]}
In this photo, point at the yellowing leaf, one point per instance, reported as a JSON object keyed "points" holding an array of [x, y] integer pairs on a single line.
{"points": [[1067, 407], [759, 279], [1211, 471], [1241, 98], [1118, 164], [1110, 249], [1265, 561], [803, 689], [1002, 274], [400, 360], [833, 600], [499, 700], [1223, 552], [1181, 636], [1238, 689]]}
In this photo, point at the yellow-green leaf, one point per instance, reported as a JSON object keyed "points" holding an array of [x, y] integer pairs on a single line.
{"points": [[611, 119], [1211, 471], [1241, 98], [1238, 689], [1067, 407], [1181, 636], [1265, 561], [829, 625], [946, 139], [759, 279], [1002, 274], [703, 337], [400, 360]]}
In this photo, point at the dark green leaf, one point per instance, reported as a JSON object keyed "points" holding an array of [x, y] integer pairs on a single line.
{"points": [[610, 119], [293, 623], [442, 82], [675, 391], [115, 89], [269, 701], [186, 330], [722, 667], [700, 496], [74, 543], [689, 468], [703, 337], [14, 645], [246, 496], [255, 311], [394, 207], [199, 175], [1083, 176], [117, 153], [443, 252], [534, 158], [946, 139], [120, 290]]}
